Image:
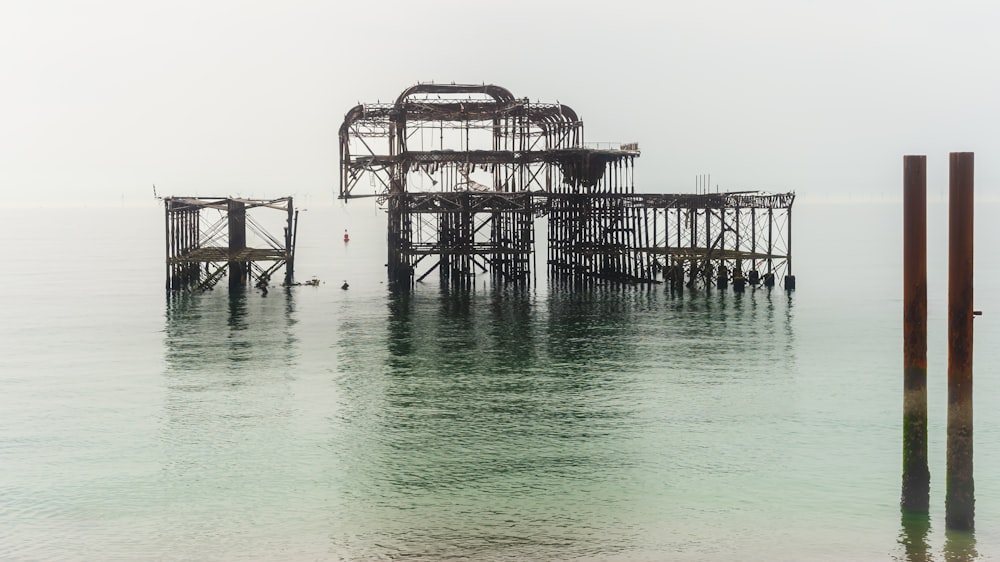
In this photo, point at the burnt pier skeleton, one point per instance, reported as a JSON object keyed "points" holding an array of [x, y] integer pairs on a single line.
{"points": [[464, 171]]}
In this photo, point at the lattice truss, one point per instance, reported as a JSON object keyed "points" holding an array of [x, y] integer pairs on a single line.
{"points": [[210, 237], [463, 171], [456, 162], [447, 138], [463, 233], [735, 235]]}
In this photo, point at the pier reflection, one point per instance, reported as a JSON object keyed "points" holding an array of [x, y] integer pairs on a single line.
{"points": [[915, 544], [226, 415], [223, 331], [913, 534], [960, 546], [227, 357], [471, 440], [514, 424]]}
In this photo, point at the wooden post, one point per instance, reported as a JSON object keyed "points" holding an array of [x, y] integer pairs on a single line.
{"points": [[960, 493], [916, 476]]}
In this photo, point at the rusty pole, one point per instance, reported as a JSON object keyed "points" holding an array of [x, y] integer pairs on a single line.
{"points": [[789, 278], [960, 493], [237, 216], [916, 476], [291, 222], [166, 222]]}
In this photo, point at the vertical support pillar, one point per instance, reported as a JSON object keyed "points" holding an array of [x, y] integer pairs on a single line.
{"points": [[445, 244], [708, 267], [653, 259], [754, 276], [166, 225], [678, 260], [183, 231], [789, 278], [915, 495], [293, 219], [739, 282], [769, 277], [237, 215], [189, 271], [960, 490], [497, 262], [399, 223], [692, 263]]}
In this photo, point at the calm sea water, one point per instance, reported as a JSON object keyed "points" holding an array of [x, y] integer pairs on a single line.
{"points": [[611, 424]]}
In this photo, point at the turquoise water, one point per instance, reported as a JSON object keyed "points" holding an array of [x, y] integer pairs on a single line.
{"points": [[611, 424]]}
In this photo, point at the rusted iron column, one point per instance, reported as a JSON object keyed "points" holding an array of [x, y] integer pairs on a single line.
{"points": [[399, 266], [789, 277], [170, 255], [739, 282], [754, 275], [237, 215], [916, 476], [769, 276], [960, 494], [290, 224]]}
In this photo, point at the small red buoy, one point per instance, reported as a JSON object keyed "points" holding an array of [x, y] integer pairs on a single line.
{"points": [[346, 237]]}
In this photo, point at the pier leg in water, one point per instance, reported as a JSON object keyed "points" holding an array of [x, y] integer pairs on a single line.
{"points": [[237, 216], [916, 476], [722, 277], [739, 283], [960, 490]]}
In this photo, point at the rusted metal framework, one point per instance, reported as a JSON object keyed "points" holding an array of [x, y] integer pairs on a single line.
{"points": [[684, 239], [464, 170], [206, 238], [743, 238]]}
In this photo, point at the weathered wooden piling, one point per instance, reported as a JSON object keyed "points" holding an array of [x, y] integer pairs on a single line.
{"points": [[960, 489], [916, 476]]}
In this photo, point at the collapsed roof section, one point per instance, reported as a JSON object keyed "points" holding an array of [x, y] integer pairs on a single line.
{"points": [[461, 137]]}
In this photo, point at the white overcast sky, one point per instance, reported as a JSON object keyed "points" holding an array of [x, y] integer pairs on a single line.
{"points": [[100, 100]]}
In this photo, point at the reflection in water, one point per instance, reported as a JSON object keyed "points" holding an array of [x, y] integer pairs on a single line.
{"points": [[223, 330], [913, 536], [225, 424], [513, 425], [960, 546], [461, 430]]}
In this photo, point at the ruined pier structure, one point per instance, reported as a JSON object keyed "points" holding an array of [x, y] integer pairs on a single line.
{"points": [[207, 238], [464, 171]]}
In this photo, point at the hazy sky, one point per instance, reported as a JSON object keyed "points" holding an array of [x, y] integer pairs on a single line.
{"points": [[99, 100]]}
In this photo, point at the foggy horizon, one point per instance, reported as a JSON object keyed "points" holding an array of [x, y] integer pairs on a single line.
{"points": [[231, 98]]}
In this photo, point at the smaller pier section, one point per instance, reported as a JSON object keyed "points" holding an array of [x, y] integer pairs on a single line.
{"points": [[207, 239]]}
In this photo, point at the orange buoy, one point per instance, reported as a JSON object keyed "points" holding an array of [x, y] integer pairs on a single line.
{"points": [[346, 237]]}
